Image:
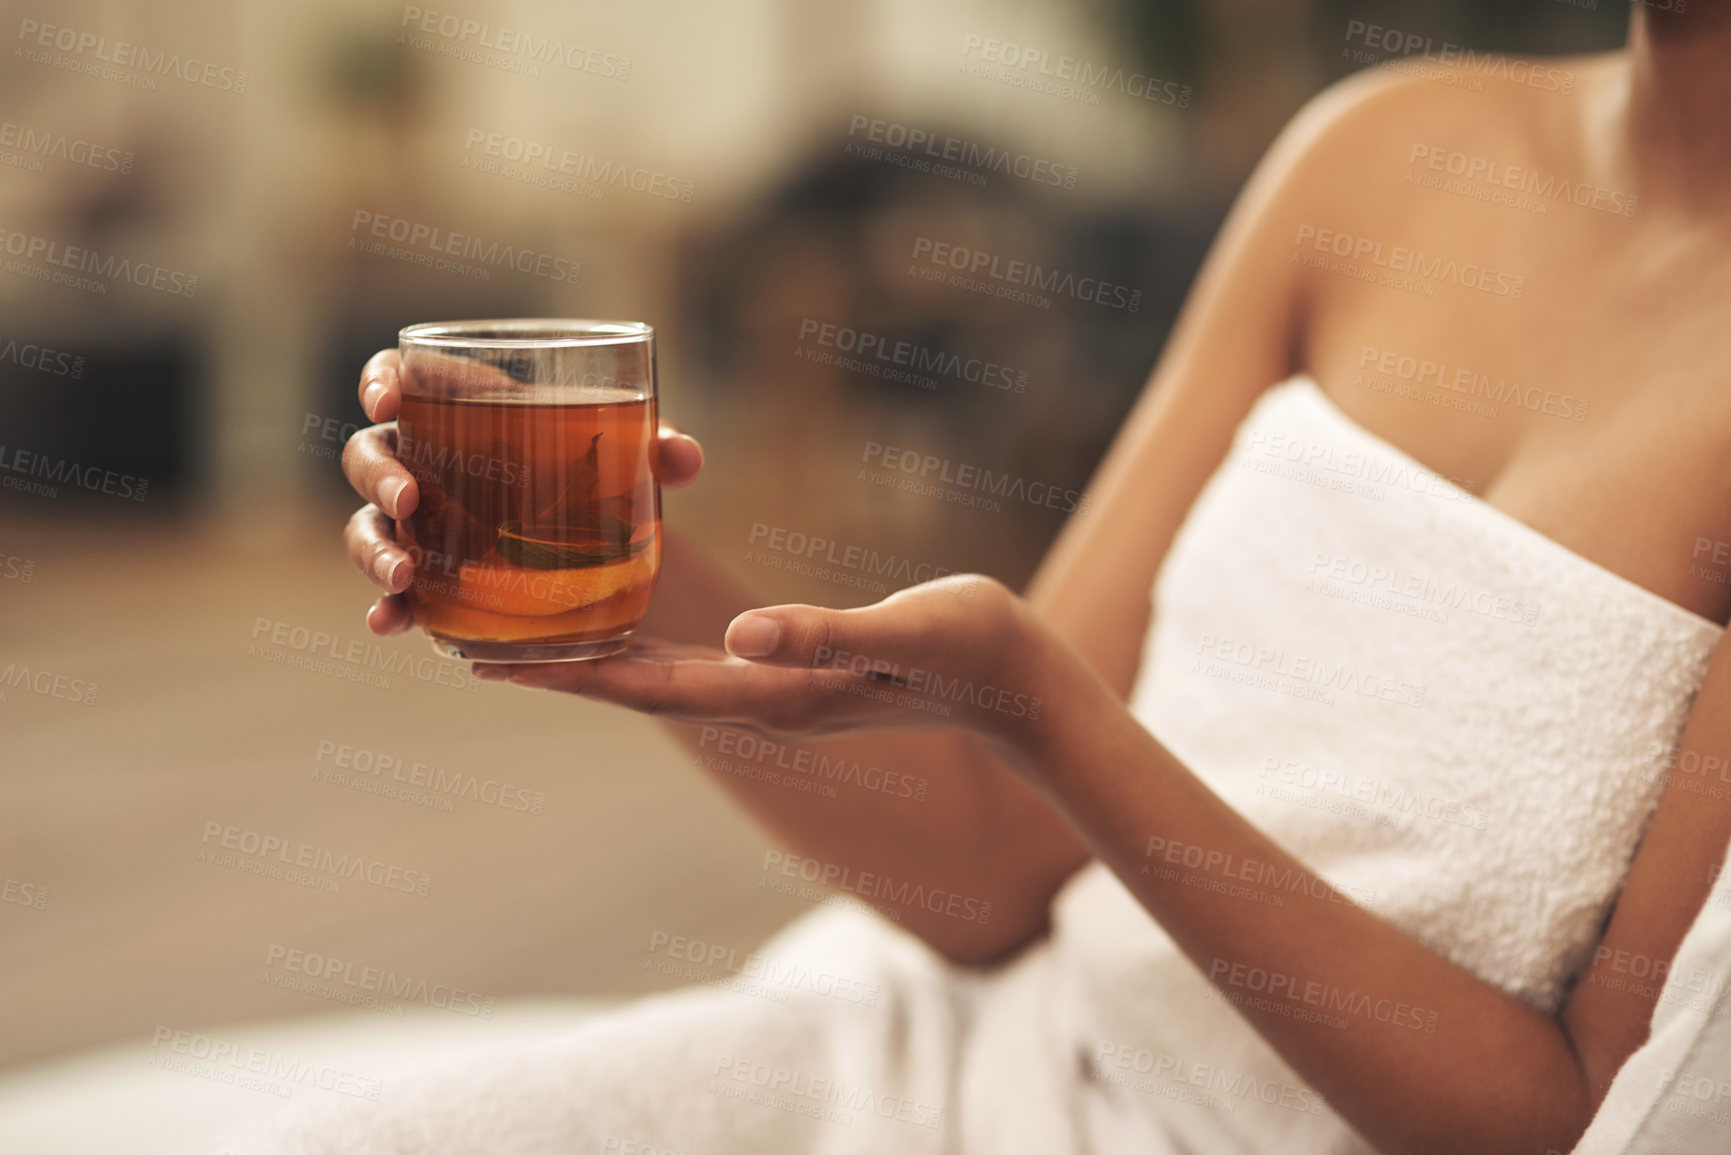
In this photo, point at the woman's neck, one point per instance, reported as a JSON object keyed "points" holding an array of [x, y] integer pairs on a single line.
{"points": [[1676, 128]]}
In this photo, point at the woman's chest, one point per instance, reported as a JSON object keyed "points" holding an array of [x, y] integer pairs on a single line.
{"points": [[1595, 406]]}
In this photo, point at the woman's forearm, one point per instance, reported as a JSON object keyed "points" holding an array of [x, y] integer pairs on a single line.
{"points": [[931, 827], [1431, 1057]]}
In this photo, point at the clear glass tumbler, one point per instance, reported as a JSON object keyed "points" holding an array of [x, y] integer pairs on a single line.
{"points": [[537, 537]]}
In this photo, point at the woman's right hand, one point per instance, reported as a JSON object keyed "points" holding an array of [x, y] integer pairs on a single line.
{"points": [[370, 463]]}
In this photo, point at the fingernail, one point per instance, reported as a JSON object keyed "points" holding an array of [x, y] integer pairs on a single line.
{"points": [[753, 637], [390, 490], [385, 566], [490, 673], [371, 394]]}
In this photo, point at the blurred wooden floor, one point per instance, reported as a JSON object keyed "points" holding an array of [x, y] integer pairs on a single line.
{"points": [[105, 805]]}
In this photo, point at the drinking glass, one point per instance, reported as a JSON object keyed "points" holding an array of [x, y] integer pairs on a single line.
{"points": [[537, 537]]}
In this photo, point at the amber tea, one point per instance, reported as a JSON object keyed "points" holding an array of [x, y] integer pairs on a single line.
{"points": [[537, 533]]}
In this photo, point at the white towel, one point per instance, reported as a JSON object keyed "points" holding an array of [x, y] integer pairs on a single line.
{"points": [[1435, 707], [1429, 703]]}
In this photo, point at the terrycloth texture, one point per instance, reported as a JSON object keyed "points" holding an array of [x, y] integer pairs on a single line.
{"points": [[142, 1097], [695, 1072], [1433, 706], [1436, 708]]}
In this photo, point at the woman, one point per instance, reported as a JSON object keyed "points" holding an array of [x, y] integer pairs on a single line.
{"points": [[1434, 618]]}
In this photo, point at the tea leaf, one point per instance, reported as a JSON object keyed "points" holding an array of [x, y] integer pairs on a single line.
{"points": [[576, 484], [603, 540]]}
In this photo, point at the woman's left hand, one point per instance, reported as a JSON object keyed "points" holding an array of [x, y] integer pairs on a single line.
{"points": [[961, 651]]}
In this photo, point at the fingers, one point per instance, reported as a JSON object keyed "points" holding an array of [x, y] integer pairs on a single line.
{"points": [[681, 457], [381, 386], [859, 640], [370, 463], [370, 538], [376, 554], [432, 374], [369, 458], [381, 393], [661, 680], [699, 684], [390, 615], [956, 617]]}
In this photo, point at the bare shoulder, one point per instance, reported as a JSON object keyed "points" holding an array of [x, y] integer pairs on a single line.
{"points": [[1358, 145]]}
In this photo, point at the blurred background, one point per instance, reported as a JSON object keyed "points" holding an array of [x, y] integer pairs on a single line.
{"points": [[213, 211]]}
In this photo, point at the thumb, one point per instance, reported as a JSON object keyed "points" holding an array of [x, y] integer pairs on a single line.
{"points": [[860, 640], [680, 456]]}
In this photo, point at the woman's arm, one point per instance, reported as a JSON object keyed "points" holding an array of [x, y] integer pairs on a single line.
{"points": [[1431, 1058], [981, 831]]}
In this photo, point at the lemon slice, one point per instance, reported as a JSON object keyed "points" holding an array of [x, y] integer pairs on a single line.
{"points": [[537, 593]]}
